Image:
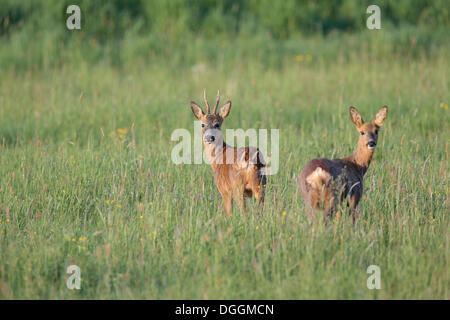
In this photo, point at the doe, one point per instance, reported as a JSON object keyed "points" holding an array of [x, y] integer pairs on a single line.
{"points": [[325, 183]]}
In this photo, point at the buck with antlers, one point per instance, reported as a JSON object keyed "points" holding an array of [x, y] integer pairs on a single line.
{"points": [[238, 172], [325, 183]]}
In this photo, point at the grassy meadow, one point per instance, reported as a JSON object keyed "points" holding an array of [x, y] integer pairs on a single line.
{"points": [[86, 176]]}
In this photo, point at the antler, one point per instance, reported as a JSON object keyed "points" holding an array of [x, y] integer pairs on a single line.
{"points": [[217, 102], [208, 109], [206, 102]]}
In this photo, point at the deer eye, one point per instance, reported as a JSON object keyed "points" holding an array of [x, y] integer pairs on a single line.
{"points": [[203, 125], [216, 125], [362, 133], [376, 132]]}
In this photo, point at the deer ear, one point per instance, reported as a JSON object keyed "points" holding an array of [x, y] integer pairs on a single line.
{"points": [[381, 116], [356, 117], [225, 110], [196, 110]]}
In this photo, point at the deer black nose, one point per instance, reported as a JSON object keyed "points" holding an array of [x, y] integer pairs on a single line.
{"points": [[209, 138], [371, 144]]}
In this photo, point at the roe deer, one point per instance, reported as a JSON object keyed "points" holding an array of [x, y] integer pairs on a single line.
{"points": [[325, 183], [238, 172]]}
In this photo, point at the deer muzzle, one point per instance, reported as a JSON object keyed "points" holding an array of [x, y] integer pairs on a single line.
{"points": [[209, 138]]}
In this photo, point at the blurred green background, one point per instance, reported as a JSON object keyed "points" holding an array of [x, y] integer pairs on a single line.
{"points": [[33, 34]]}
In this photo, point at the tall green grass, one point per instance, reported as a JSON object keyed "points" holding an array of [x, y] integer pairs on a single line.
{"points": [[63, 162]]}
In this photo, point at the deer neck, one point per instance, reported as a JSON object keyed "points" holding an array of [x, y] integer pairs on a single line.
{"points": [[215, 154], [361, 157]]}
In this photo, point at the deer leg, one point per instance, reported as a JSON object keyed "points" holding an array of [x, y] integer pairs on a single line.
{"points": [[355, 215], [227, 204], [354, 208], [239, 197], [311, 204], [244, 206], [329, 207], [309, 209], [328, 215], [259, 196]]}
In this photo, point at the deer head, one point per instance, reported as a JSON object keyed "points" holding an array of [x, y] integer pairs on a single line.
{"points": [[211, 122], [368, 130]]}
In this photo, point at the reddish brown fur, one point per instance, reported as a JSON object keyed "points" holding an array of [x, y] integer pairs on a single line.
{"points": [[325, 183], [242, 177]]}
